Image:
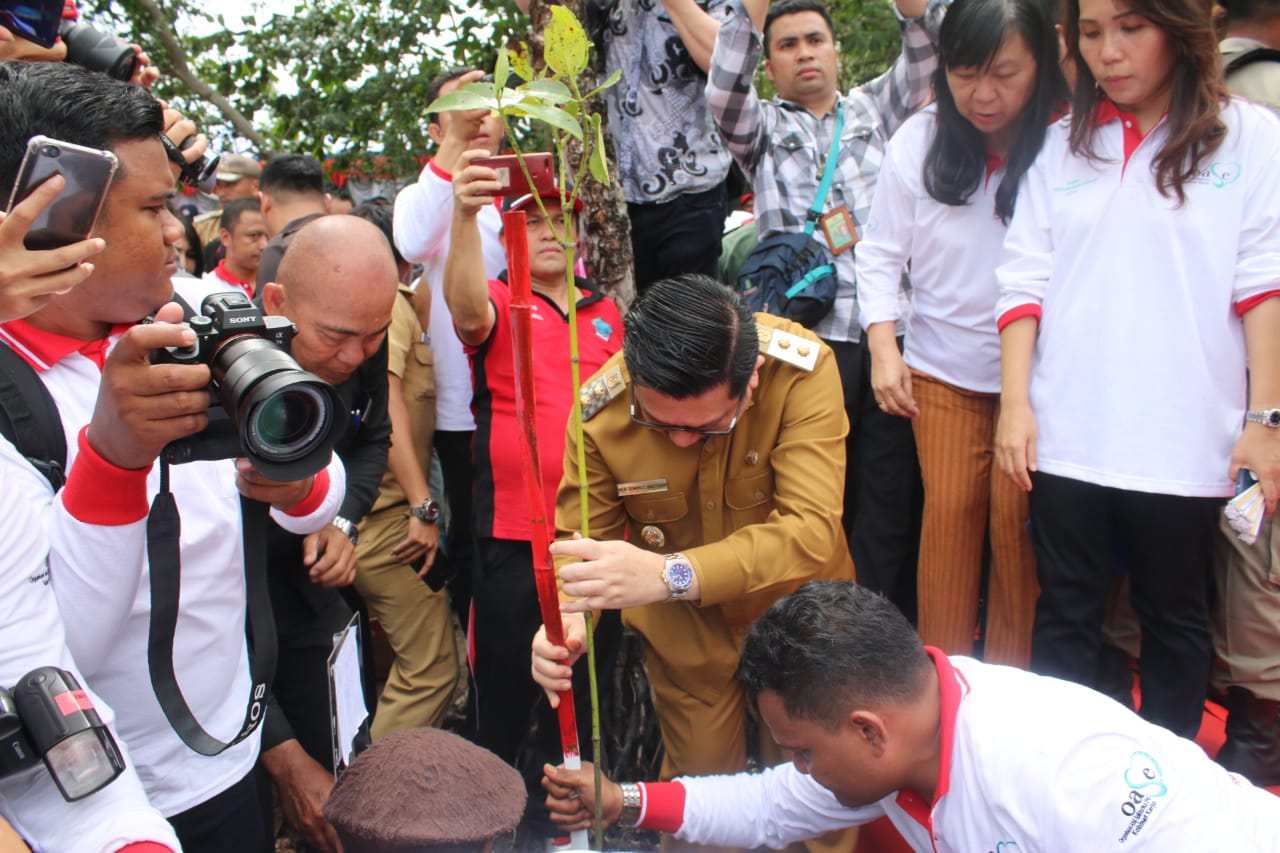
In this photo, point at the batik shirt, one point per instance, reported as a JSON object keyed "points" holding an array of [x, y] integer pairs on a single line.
{"points": [[666, 142]]}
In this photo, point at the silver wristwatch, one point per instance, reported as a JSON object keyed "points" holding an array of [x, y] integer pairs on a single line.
{"points": [[348, 528], [630, 815], [427, 511], [677, 574], [1266, 417]]}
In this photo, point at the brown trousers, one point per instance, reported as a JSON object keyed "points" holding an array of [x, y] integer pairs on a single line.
{"points": [[965, 495]]}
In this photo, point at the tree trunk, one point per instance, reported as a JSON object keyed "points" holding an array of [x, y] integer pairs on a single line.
{"points": [[181, 68], [606, 229]]}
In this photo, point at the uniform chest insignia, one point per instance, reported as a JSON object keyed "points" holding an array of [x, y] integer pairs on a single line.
{"points": [[793, 349], [597, 393]]}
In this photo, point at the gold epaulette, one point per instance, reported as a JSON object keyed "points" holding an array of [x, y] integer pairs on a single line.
{"points": [[597, 393], [793, 349]]}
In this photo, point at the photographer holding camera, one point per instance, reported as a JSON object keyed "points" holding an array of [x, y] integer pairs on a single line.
{"points": [[119, 411], [337, 283]]}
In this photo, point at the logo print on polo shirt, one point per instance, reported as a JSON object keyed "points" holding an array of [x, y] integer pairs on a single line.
{"points": [[1146, 784], [604, 331], [1074, 185], [1007, 847], [1218, 175]]}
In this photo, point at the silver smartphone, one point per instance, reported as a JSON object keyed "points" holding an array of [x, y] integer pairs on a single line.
{"points": [[70, 217]]}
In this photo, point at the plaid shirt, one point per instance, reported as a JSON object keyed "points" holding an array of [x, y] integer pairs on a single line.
{"points": [[782, 147]]}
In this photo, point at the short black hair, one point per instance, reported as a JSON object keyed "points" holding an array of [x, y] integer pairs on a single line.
{"points": [[830, 648], [235, 209], [296, 174], [1250, 10], [437, 83], [686, 335], [379, 213], [792, 7], [69, 103]]}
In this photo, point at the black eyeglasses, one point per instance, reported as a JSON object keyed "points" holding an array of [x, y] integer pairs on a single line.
{"points": [[636, 419]]}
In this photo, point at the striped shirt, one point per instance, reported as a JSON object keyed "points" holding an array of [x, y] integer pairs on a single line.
{"points": [[782, 147]]}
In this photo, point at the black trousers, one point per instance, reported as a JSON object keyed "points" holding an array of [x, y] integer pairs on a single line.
{"points": [[234, 821], [677, 237], [883, 495], [507, 700], [456, 464], [1080, 532]]}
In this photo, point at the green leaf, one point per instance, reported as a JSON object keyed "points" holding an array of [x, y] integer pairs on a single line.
{"points": [[553, 116], [501, 71], [565, 44], [599, 170], [612, 81], [520, 62], [548, 91], [465, 98]]}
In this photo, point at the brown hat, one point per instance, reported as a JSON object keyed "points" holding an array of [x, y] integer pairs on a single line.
{"points": [[422, 788], [233, 167]]}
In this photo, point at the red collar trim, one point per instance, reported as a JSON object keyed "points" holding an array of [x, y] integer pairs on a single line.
{"points": [[995, 162], [439, 172], [952, 688], [225, 275], [1105, 111], [42, 349]]}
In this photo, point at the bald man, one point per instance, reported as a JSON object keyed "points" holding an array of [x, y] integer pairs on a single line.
{"points": [[337, 283]]}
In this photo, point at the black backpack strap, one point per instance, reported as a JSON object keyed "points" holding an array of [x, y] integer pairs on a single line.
{"points": [[29, 418], [1258, 54], [163, 531]]}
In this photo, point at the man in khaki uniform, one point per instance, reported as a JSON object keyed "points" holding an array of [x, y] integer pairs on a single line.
{"points": [[399, 538], [722, 465], [398, 544]]}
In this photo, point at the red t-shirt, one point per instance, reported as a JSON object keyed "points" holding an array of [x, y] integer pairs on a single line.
{"points": [[502, 510]]}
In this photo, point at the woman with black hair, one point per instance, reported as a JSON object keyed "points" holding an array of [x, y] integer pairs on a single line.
{"points": [[945, 195], [1141, 272]]}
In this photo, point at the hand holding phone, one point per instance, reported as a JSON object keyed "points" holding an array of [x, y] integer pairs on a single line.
{"points": [[29, 278], [511, 177], [70, 217]]}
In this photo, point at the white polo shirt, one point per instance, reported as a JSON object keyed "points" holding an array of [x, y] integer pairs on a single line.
{"points": [[100, 576], [1138, 374], [423, 223], [31, 636], [953, 250], [1029, 764]]}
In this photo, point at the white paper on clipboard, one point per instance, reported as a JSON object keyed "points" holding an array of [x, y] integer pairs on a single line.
{"points": [[346, 692]]}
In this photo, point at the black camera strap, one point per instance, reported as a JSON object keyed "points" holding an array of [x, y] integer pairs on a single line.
{"points": [[163, 529]]}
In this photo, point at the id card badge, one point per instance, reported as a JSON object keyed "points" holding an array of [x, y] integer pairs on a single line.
{"points": [[841, 233]]}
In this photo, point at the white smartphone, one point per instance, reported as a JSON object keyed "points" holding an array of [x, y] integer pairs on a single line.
{"points": [[70, 217]]}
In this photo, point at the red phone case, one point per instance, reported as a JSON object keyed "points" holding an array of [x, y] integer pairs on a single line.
{"points": [[541, 170]]}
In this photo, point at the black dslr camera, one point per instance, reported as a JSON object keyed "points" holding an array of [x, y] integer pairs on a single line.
{"points": [[266, 407]]}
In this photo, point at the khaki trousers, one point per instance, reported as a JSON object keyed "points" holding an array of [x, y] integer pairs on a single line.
{"points": [[1246, 615], [965, 496], [419, 625]]}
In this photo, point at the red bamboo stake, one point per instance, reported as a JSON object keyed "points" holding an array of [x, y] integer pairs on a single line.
{"points": [[513, 223]]}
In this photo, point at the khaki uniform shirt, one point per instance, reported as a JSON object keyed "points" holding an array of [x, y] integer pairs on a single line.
{"points": [[409, 357], [757, 512]]}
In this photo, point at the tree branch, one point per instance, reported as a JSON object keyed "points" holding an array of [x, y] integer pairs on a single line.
{"points": [[181, 69]]}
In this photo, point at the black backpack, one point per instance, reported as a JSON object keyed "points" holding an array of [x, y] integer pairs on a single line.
{"points": [[29, 418]]}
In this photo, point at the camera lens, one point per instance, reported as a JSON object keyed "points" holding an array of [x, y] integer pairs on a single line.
{"points": [[98, 51], [52, 151], [287, 419], [287, 422]]}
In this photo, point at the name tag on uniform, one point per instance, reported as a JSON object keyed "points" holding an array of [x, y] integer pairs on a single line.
{"points": [[642, 487]]}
